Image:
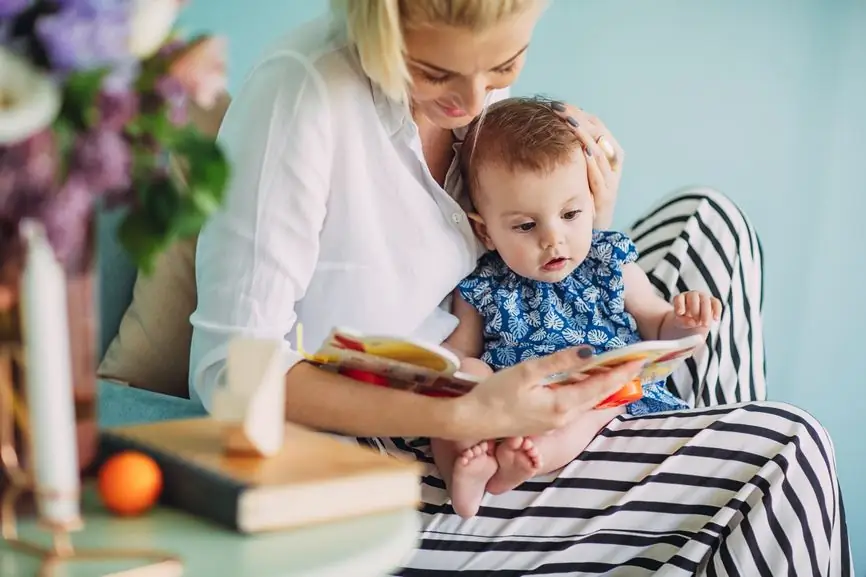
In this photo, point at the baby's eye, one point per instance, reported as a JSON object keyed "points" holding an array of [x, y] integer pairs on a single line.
{"points": [[525, 227], [571, 214]]}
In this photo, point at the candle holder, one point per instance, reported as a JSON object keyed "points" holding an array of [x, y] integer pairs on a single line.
{"points": [[21, 482]]}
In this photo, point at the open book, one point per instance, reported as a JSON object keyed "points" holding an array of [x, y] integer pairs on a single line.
{"points": [[430, 369]]}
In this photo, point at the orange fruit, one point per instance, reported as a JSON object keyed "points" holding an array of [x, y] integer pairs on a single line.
{"points": [[129, 483]]}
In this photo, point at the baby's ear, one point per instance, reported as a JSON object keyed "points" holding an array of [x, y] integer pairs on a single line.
{"points": [[480, 229]]}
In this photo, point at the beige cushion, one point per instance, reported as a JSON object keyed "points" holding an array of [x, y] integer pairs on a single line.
{"points": [[151, 349]]}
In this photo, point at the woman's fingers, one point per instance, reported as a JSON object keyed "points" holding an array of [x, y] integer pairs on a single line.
{"points": [[601, 130], [597, 179], [566, 361], [586, 135], [590, 129], [589, 393]]}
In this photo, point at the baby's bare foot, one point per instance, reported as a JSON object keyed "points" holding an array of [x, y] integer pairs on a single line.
{"points": [[472, 469], [519, 461]]}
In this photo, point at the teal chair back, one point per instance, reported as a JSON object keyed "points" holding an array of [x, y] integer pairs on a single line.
{"points": [[117, 276]]}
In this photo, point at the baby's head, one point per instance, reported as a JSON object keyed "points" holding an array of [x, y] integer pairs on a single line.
{"points": [[525, 172]]}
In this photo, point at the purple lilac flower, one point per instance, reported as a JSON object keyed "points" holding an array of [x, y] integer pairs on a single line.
{"points": [[12, 8], [28, 171], [102, 161], [89, 34], [95, 5], [171, 91], [67, 222], [122, 76], [117, 108]]}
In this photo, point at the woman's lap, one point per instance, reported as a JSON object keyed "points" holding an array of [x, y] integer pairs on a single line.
{"points": [[748, 489], [745, 489]]}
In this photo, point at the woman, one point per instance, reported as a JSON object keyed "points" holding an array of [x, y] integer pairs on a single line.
{"points": [[344, 209]]}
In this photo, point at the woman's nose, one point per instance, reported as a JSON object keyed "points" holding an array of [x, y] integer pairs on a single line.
{"points": [[473, 95]]}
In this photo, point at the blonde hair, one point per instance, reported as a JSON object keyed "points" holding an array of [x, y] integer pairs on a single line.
{"points": [[376, 28]]}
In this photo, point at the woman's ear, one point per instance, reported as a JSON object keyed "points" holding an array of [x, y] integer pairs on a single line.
{"points": [[480, 229]]}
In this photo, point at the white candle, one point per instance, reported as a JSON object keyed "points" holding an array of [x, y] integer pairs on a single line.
{"points": [[48, 385]]}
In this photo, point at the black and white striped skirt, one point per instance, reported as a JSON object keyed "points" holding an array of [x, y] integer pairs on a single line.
{"points": [[736, 486]]}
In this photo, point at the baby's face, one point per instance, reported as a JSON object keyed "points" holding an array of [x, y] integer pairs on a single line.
{"points": [[541, 224]]}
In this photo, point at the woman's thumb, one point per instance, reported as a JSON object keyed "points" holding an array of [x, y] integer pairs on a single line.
{"points": [[556, 365]]}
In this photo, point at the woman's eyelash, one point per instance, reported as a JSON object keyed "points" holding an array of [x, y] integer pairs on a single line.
{"points": [[443, 79], [436, 79]]}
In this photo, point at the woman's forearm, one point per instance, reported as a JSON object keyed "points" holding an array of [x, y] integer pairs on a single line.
{"points": [[332, 402]]}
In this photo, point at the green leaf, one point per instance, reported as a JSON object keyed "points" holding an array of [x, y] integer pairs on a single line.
{"points": [[142, 241], [64, 135], [178, 206], [155, 126], [189, 218], [79, 96], [208, 170], [160, 202]]}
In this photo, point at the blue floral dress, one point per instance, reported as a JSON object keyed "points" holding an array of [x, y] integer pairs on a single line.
{"points": [[525, 318]]}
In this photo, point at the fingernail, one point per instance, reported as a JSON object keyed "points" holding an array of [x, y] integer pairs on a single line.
{"points": [[573, 121], [588, 152], [584, 352], [558, 106]]}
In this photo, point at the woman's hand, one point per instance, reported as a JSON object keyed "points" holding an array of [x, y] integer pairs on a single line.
{"points": [[600, 146], [512, 402]]}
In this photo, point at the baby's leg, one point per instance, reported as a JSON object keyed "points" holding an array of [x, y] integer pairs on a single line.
{"points": [[522, 458], [466, 468], [562, 446], [475, 367], [519, 460]]}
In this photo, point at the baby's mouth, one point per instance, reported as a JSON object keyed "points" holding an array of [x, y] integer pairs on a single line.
{"points": [[555, 263]]}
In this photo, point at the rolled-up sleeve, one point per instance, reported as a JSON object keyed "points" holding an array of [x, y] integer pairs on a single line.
{"points": [[256, 257]]}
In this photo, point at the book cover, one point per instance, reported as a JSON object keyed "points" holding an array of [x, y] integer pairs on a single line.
{"points": [[429, 369], [314, 478]]}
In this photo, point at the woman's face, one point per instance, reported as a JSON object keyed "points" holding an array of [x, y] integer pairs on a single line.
{"points": [[453, 69]]}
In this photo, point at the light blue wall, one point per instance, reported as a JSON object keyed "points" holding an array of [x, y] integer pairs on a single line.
{"points": [[764, 100]]}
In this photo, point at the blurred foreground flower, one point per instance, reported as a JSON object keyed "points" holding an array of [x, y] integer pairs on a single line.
{"points": [[10, 8], [93, 112], [201, 70], [29, 100], [152, 21]]}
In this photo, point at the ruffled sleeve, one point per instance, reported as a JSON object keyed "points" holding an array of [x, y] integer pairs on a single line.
{"points": [[613, 248], [478, 288]]}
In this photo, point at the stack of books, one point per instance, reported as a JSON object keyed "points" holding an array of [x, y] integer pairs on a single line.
{"points": [[314, 478]]}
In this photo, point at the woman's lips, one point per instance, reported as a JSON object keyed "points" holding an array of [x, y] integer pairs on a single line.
{"points": [[452, 111]]}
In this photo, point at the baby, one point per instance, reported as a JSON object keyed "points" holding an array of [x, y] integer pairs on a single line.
{"points": [[549, 281]]}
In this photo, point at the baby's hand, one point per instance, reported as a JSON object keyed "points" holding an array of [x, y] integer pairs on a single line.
{"points": [[695, 309]]}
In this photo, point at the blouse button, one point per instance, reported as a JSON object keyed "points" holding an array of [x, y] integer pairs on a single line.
{"points": [[456, 218]]}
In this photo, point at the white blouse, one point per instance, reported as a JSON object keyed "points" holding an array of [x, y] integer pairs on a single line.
{"points": [[331, 217]]}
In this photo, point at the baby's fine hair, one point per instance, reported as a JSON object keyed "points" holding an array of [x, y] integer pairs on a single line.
{"points": [[519, 133]]}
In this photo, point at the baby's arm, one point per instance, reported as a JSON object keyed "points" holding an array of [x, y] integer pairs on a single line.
{"points": [[660, 320], [467, 340], [467, 465]]}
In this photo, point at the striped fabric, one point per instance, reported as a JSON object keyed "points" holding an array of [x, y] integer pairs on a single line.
{"points": [[698, 240], [748, 488]]}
